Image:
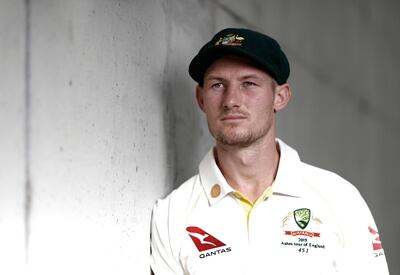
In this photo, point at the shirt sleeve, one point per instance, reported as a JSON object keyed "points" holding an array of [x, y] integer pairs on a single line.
{"points": [[162, 259], [363, 251]]}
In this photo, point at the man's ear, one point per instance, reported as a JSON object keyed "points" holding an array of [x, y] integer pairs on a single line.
{"points": [[200, 97], [283, 93]]}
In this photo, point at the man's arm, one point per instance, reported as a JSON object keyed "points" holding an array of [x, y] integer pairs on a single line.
{"points": [[363, 248], [163, 260]]}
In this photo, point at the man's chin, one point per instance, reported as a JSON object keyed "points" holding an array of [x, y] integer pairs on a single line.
{"points": [[236, 140]]}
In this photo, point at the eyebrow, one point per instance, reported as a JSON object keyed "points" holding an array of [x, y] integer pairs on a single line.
{"points": [[211, 77], [246, 76]]}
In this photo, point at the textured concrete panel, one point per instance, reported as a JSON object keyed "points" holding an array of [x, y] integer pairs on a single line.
{"points": [[99, 158], [12, 139]]}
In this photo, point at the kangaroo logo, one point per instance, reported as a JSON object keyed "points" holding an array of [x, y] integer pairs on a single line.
{"points": [[203, 240]]}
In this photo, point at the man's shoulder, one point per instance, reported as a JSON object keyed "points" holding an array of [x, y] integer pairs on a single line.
{"points": [[180, 197], [321, 180], [326, 181]]}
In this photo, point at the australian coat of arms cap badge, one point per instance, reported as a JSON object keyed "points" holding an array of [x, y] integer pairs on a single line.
{"points": [[230, 40]]}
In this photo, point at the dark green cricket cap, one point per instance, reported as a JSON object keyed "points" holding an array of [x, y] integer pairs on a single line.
{"points": [[261, 49]]}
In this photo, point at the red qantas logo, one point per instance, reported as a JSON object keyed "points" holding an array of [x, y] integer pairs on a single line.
{"points": [[202, 239], [376, 243]]}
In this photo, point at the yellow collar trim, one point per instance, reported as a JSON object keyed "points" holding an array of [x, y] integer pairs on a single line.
{"points": [[247, 204]]}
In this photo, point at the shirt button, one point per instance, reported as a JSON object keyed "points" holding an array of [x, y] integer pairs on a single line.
{"points": [[215, 190]]}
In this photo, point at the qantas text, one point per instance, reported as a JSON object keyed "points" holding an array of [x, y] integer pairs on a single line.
{"points": [[215, 252]]}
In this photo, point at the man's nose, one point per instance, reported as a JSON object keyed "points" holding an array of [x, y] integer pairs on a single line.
{"points": [[232, 97]]}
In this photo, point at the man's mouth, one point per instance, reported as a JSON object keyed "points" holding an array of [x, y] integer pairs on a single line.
{"points": [[233, 117]]}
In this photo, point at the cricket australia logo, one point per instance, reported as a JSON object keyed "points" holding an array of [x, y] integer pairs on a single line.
{"points": [[296, 237], [302, 217]]}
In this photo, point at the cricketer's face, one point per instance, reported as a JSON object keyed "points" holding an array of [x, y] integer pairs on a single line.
{"points": [[239, 100]]}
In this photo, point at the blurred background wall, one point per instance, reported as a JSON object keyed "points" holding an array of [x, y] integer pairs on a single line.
{"points": [[98, 117]]}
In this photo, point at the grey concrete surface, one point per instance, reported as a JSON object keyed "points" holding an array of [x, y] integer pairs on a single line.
{"points": [[99, 153], [98, 117], [12, 137]]}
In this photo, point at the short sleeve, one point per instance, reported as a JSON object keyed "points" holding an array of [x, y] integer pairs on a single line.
{"points": [[162, 259], [363, 251]]}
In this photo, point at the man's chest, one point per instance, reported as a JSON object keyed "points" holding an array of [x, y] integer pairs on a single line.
{"points": [[281, 235]]}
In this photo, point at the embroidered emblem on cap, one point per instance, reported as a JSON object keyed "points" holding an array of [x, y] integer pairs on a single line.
{"points": [[230, 40], [215, 190]]}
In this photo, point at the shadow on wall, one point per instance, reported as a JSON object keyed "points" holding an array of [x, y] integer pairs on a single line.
{"points": [[186, 133], [185, 128]]}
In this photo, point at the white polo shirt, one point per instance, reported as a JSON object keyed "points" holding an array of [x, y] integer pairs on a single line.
{"points": [[313, 222]]}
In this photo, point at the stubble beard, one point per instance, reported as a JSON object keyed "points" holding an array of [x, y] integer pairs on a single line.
{"points": [[240, 139]]}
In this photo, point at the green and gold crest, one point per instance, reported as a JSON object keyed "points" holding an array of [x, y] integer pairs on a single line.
{"points": [[230, 40], [302, 217]]}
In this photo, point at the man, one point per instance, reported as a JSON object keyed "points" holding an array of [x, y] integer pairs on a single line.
{"points": [[254, 207]]}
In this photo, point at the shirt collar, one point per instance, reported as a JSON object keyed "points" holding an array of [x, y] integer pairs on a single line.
{"points": [[211, 176], [216, 187], [287, 180]]}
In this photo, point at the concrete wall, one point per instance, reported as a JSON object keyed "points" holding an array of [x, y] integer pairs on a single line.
{"points": [[98, 117], [12, 138]]}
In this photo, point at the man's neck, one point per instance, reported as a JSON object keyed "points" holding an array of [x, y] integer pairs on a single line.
{"points": [[249, 170]]}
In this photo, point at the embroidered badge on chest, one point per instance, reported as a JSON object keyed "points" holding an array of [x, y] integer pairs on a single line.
{"points": [[302, 217], [300, 227]]}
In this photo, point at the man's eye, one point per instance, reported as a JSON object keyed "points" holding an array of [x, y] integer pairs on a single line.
{"points": [[249, 84], [217, 85]]}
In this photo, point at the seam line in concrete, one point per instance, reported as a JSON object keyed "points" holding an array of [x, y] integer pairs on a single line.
{"points": [[27, 128]]}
